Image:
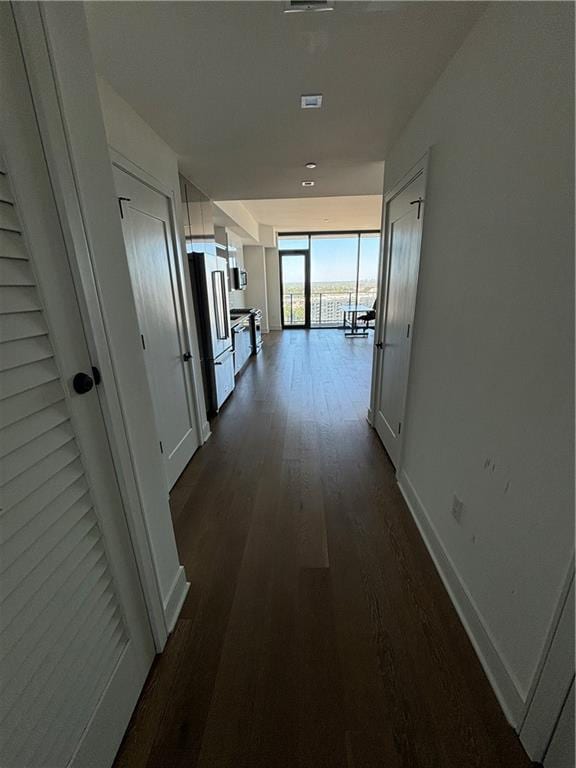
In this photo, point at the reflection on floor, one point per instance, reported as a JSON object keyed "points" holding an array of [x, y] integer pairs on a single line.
{"points": [[316, 633]]}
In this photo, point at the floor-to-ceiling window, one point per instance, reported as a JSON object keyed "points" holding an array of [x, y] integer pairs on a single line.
{"points": [[368, 258], [322, 272], [333, 268]]}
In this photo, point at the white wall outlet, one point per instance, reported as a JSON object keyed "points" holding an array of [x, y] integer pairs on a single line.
{"points": [[457, 508]]}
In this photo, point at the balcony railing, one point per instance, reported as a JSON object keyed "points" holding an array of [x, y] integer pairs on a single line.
{"points": [[325, 307]]}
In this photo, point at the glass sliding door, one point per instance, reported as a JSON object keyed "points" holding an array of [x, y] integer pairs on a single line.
{"points": [[294, 287]]}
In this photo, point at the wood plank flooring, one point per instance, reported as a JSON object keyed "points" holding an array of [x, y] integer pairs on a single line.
{"points": [[316, 633]]}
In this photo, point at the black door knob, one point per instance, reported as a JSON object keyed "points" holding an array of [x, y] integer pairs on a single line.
{"points": [[186, 356], [82, 383]]}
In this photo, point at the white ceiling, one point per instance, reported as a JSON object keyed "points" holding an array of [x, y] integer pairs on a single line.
{"points": [[318, 213], [221, 82]]}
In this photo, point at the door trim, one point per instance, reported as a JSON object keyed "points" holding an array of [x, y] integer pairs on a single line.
{"points": [[419, 169]]}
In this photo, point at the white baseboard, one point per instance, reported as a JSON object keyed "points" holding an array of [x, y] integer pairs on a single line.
{"points": [[370, 417], [206, 431], [175, 599], [496, 669], [275, 327]]}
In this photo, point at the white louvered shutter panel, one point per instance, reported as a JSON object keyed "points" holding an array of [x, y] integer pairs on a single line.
{"points": [[61, 628]]}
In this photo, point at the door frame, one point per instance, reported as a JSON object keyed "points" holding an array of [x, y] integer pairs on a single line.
{"points": [[63, 86], [306, 254], [193, 396], [553, 677], [419, 169]]}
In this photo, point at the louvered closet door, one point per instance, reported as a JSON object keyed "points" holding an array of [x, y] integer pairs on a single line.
{"points": [[75, 642]]}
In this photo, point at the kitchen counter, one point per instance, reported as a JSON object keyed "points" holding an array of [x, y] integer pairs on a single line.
{"points": [[235, 319]]}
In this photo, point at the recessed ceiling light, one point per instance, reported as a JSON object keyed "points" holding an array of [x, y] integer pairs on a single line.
{"points": [[301, 6], [311, 101], [310, 165], [307, 183]]}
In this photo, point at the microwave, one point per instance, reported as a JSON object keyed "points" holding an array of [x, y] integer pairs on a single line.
{"points": [[239, 278]]}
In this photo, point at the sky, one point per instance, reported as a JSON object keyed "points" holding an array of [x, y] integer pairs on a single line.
{"points": [[332, 259]]}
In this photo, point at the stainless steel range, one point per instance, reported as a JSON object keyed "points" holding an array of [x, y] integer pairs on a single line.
{"points": [[256, 331], [255, 325]]}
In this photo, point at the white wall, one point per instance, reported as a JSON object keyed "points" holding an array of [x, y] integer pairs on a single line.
{"points": [[273, 289], [489, 412], [256, 294], [130, 135], [266, 235], [240, 217]]}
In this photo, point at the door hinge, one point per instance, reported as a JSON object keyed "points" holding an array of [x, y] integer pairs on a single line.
{"points": [[161, 447], [408, 331], [143, 342], [120, 200], [399, 427]]}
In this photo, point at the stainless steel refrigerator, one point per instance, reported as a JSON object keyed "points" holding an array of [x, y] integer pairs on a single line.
{"points": [[210, 285]]}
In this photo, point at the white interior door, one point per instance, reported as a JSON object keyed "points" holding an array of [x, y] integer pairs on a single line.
{"points": [[75, 641], [402, 260], [149, 234]]}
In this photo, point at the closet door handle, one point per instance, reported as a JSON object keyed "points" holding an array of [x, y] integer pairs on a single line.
{"points": [[186, 356], [82, 383]]}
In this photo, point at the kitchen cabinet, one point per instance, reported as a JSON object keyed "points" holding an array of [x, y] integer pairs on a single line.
{"points": [[198, 219]]}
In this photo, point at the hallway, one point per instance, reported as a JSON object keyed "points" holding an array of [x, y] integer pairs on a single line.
{"points": [[316, 632]]}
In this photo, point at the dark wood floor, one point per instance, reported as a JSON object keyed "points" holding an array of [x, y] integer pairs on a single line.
{"points": [[316, 633]]}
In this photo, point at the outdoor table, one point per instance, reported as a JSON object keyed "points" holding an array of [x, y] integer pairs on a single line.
{"points": [[354, 310]]}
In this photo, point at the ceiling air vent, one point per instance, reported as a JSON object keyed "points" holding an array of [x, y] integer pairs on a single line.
{"points": [[303, 6], [311, 101]]}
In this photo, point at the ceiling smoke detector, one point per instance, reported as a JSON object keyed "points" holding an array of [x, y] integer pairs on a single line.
{"points": [[311, 101], [308, 183], [307, 6]]}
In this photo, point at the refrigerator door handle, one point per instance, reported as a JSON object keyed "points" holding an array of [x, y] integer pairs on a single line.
{"points": [[225, 313], [218, 289]]}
